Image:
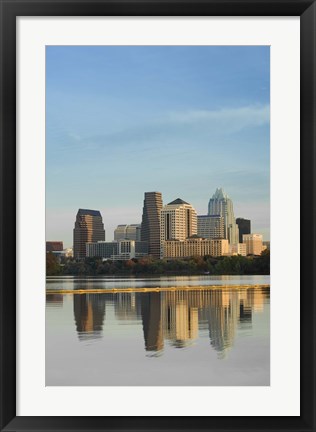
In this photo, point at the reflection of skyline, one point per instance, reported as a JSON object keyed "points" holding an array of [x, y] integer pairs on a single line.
{"points": [[89, 312], [175, 316]]}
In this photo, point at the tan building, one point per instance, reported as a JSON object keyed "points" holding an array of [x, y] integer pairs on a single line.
{"points": [[178, 221], [238, 249], [220, 247], [253, 243], [195, 246]]}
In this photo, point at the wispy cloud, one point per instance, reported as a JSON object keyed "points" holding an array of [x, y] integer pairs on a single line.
{"points": [[172, 127]]}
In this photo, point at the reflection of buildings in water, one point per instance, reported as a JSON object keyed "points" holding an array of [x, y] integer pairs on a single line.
{"points": [[126, 307], [151, 317], [256, 298], [54, 300], [179, 318], [174, 315], [223, 314], [89, 312]]}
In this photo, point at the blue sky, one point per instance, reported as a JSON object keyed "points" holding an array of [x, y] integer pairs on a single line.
{"points": [[121, 121]]}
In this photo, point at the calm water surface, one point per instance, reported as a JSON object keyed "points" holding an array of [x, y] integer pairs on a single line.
{"points": [[174, 337]]}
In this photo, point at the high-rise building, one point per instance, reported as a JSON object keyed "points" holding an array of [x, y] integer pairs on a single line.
{"points": [[210, 227], [253, 243], [178, 221], [128, 232], [88, 228], [221, 204], [244, 226], [150, 228]]}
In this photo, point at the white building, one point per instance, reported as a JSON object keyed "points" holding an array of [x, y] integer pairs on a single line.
{"points": [[178, 221]]}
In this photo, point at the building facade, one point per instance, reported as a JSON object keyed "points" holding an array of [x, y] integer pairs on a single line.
{"points": [[128, 232], [244, 226], [195, 246], [210, 227], [253, 243], [221, 204], [101, 249], [178, 221], [238, 249], [119, 250], [89, 228], [150, 227]]}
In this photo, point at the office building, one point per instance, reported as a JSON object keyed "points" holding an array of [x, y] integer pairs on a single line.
{"points": [[129, 249], [54, 246], [244, 226], [178, 221], [221, 204], [101, 249], [128, 232], [253, 243], [150, 228], [119, 250], [195, 246], [210, 227], [89, 228]]}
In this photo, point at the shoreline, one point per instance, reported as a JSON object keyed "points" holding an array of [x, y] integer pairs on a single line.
{"points": [[158, 289]]}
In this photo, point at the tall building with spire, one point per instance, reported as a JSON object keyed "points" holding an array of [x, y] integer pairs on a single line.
{"points": [[89, 228], [221, 204], [150, 228]]}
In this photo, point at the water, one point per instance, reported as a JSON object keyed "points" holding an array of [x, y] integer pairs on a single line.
{"points": [[173, 336]]}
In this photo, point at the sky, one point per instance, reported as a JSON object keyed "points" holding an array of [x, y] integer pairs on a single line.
{"points": [[181, 120]]}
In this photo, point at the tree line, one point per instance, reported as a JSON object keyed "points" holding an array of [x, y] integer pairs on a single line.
{"points": [[232, 265]]}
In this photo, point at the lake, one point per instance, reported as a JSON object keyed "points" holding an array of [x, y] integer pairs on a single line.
{"points": [[159, 331]]}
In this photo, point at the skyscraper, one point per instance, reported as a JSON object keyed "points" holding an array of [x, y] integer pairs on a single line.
{"points": [[178, 221], [221, 204], [244, 226], [88, 228], [150, 228]]}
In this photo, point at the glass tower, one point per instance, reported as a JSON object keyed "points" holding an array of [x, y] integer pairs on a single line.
{"points": [[150, 228], [221, 204]]}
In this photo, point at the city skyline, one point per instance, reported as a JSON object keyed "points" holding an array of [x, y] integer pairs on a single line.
{"points": [[180, 120]]}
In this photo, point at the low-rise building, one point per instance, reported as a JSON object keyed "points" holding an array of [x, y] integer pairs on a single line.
{"points": [[194, 246], [117, 250], [253, 243], [238, 249], [54, 246]]}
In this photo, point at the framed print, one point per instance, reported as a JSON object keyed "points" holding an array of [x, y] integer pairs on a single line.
{"points": [[154, 154]]}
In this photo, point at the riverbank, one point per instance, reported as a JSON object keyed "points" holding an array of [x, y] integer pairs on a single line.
{"points": [[146, 266]]}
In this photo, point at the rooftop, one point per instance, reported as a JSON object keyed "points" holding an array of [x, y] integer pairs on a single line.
{"points": [[86, 212], [178, 201]]}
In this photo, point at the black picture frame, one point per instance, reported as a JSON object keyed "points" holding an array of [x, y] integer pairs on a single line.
{"points": [[10, 9]]}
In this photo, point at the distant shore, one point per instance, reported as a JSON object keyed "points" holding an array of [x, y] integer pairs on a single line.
{"points": [[146, 266]]}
